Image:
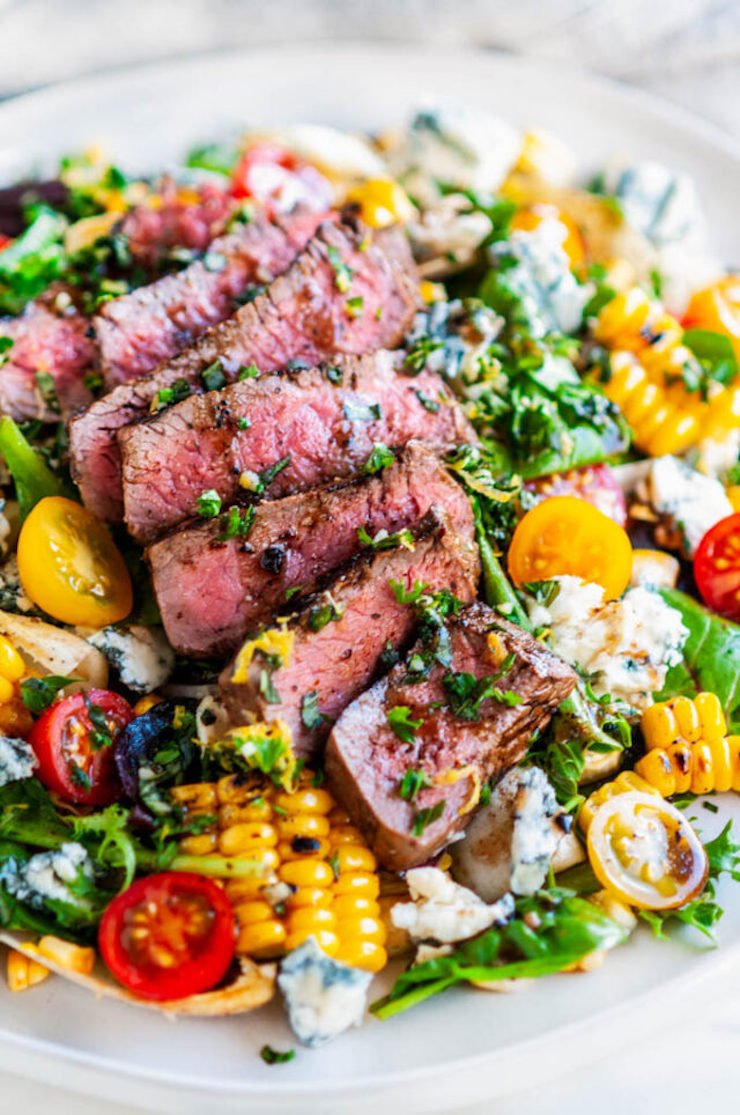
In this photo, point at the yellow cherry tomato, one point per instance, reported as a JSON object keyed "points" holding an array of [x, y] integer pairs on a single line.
{"points": [[645, 851], [717, 308], [530, 216], [566, 535], [70, 567]]}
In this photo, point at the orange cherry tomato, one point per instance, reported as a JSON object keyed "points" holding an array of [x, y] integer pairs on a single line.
{"points": [[566, 535], [643, 849], [530, 216], [70, 567], [717, 308]]}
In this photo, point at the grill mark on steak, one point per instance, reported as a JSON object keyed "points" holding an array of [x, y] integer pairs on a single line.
{"points": [[365, 760], [50, 342], [340, 659], [140, 330], [320, 425], [302, 316], [211, 593]]}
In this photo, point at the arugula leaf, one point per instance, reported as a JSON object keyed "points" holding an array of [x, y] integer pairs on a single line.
{"points": [[33, 478], [38, 693], [711, 658], [714, 352], [569, 928], [117, 848], [216, 157], [33, 260], [28, 815]]}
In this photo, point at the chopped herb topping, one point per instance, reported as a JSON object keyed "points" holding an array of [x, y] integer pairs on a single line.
{"points": [[380, 458], [237, 523], [213, 376], [354, 306], [310, 714], [385, 541], [420, 352], [100, 734], [209, 504], [321, 614], [342, 272], [247, 372], [427, 403], [167, 396], [334, 374], [467, 693], [48, 390], [412, 783], [427, 817], [401, 723]]}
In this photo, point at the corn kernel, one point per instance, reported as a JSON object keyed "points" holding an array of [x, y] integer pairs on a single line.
{"points": [[262, 939], [23, 971], [353, 857]]}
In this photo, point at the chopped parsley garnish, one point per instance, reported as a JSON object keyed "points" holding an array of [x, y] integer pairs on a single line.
{"points": [[334, 375], [380, 458], [412, 596], [412, 783], [466, 693], [80, 778], [48, 390], [384, 541], [167, 396], [361, 412], [310, 714], [429, 404], [321, 614], [420, 352], [342, 271], [209, 504], [427, 817], [247, 372], [100, 733], [213, 376], [237, 523], [402, 724], [354, 306], [267, 688], [38, 693], [258, 482]]}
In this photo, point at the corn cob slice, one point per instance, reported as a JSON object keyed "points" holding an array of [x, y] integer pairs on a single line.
{"points": [[314, 874], [688, 747]]}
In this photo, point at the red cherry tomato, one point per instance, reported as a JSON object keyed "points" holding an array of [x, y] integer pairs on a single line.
{"points": [[168, 936], [717, 567], [594, 483], [73, 741], [279, 180]]}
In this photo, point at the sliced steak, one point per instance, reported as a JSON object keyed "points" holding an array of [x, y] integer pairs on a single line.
{"points": [[211, 591], [457, 746], [44, 371], [302, 316], [181, 219], [277, 435], [152, 324], [337, 640]]}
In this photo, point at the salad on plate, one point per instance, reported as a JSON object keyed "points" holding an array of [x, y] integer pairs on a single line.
{"points": [[370, 580]]}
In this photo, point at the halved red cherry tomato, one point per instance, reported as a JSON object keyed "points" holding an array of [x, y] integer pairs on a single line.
{"points": [[73, 741], [169, 936], [594, 483], [717, 567], [279, 180], [645, 851], [568, 536]]}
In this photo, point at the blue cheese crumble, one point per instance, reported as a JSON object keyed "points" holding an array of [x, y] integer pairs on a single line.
{"points": [[141, 655], [324, 998], [442, 910], [48, 875], [17, 760]]}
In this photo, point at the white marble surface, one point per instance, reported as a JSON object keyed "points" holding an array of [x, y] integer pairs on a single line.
{"points": [[686, 50]]}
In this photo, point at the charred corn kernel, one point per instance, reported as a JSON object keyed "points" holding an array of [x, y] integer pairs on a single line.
{"points": [[261, 939], [624, 783], [382, 202], [432, 292], [146, 704], [362, 953], [319, 878], [688, 747], [72, 958], [23, 971], [647, 378], [733, 494]]}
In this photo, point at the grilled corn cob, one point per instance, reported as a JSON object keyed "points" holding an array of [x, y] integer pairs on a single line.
{"points": [[315, 876], [15, 719], [625, 783], [688, 747], [645, 373]]}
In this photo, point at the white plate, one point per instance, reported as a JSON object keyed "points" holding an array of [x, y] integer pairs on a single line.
{"points": [[465, 1046]]}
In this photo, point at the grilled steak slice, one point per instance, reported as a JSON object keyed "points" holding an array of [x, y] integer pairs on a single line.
{"points": [[337, 640], [152, 324], [43, 375], [302, 429], [459, 744], [302, 316], [152, 232], [211, 591]]}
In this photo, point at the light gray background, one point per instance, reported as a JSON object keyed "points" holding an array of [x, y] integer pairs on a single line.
{"points": [[685, 50]]}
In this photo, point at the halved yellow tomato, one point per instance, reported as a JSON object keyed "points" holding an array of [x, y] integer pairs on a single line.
{"points": [[566, 535], [644, 850], [717, 308], [530, 216], [70, 567]]}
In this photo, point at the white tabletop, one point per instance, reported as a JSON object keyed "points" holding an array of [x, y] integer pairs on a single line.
{"points": [[687, 50]]}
